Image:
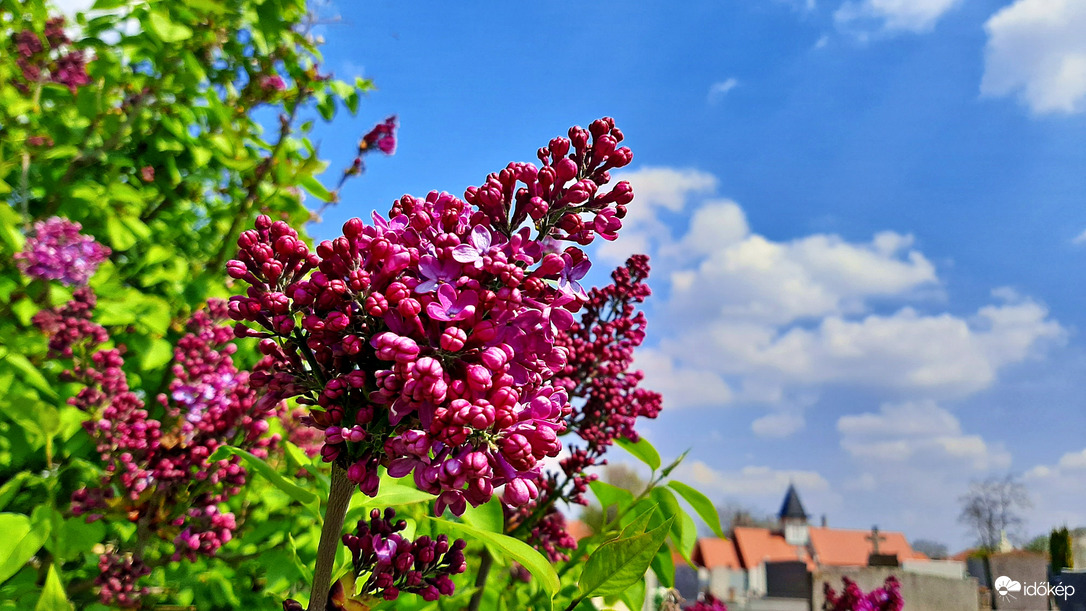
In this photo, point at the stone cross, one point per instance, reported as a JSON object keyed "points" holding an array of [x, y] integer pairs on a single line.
{"points": [[874, 538]]}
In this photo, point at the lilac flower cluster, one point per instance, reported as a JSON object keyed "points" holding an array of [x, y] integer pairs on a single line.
{"points": [[397, 564], [382, 136], [707, 603], [886, 598], [157, 471], [392, 564], [425, 342], [601, 347], [607, 397], [117, 579], [56, 250], [52, 59]]}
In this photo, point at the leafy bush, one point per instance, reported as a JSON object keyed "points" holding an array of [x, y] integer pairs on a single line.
{"points": [[164, 446]]}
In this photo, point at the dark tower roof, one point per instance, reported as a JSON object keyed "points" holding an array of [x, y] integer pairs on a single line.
{"points": [[792, 508]]}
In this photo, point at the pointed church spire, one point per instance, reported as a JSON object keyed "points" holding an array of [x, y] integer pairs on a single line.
{"points": [[792, 508]]}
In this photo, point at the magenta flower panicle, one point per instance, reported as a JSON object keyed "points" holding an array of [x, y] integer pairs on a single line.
{"points": [[56, 250], [424, 342]]}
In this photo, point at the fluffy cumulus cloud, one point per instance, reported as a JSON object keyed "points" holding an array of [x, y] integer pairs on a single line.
{"points": [[889, 16], [1056, 491], [919, 434], [660, 192], [751, 320], [913, 460], [1037, 50]]}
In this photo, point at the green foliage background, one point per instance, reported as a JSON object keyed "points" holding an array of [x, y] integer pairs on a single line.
{"points": [[175, 87], [162, 159]]}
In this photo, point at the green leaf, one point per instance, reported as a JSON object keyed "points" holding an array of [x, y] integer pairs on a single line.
{"points": [[166, 29], [675, 463], [24, 309], [701, 505], [683, 530], [642, 450], [314, 186], [638, 524], [611, 495], [617, 565], [488, 516], [393, 495], [30, 374], [514, 549], [664, 567], [108, 5], [158, 354], [77, 536], [10, 489], [294, 491], [634, 596], [19, 543], [52, 595], [200, 155], [120, 236]]}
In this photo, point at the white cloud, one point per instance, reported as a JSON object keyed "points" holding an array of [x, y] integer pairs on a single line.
{"points": [[1056, 491], [658, 190], [1080, 238], [718, 90], [681, 387], [913, 460], [917, 16], [774, 323], [778, 424], [915, 435], [779, 282], [1037, 50]]}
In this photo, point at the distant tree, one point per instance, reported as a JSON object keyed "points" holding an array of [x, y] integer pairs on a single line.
{"points": [[1038, 544], [931, 549], [1059, 550], [734, 514], [994, 506]]}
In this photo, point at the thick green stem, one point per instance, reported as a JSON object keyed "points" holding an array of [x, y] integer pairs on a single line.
{"points": [[485, 562], [338, 499]]}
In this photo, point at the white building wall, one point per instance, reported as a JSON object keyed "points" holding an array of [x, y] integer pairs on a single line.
{"points": [[952, 569]]}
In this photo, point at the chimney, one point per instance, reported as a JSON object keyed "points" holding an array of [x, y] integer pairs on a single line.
{"points": [[823, 520]]}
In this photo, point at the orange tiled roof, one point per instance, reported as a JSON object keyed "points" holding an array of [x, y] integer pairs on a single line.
{"points": [[578, 529], [841, 547], [712, 552], [757, 545]]}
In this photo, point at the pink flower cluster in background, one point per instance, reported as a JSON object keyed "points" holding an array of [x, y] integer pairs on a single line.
{"points": [[425, 342], [157, 472], [52, 59], [708, 603], [852, 598], [56, 250]]}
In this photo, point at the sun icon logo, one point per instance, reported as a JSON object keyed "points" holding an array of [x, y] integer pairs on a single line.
{"points": [[1005, 585]]}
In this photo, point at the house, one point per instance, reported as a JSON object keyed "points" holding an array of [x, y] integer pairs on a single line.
{"points": [[759, 562]]}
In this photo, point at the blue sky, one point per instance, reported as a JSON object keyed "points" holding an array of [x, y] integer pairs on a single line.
{"points": [[862, 217], [867, 221]]}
